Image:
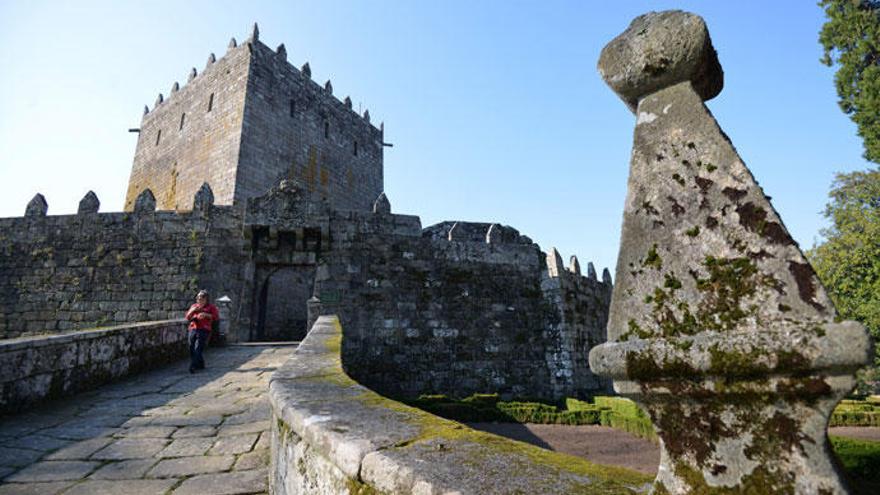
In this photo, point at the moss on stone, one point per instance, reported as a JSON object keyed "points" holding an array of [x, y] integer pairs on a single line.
{"points": [[653, 259], [603, 479]]}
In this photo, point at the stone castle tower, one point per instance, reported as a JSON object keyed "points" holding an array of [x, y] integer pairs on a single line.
{"points": [[247, 121]]}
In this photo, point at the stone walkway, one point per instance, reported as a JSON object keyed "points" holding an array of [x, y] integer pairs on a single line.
{"points": [[162, 432]]}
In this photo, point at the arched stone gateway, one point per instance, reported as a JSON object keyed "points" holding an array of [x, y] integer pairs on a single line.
{"points": [[282, 312]]}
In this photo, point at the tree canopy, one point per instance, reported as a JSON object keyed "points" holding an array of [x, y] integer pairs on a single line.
{"points": [[851, 40], [848, 263]]}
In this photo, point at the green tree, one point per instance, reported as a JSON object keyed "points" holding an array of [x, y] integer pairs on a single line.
{"points": [[851, 39], [848, 262]]}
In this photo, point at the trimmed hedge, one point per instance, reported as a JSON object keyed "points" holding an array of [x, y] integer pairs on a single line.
{"points": [[616, 412], [857, 412]]}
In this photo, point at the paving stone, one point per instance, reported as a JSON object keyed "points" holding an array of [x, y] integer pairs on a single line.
{"points": [[259, 413], [79, 450], [221, 410], [252, 460], [236, 482], [188, 420], [124, 470], [51, 488], [137, 421], [79, 433], [127, 487], [18, 457], [184, 447], [188, 466], [238, 429], [131, 448], [87, 419], [195, 431], [263, 442], [54, 471], [237, 444], [146, 432], [38, 442]]}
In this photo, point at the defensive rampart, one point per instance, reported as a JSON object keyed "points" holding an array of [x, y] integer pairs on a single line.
{"points": [[33, 369], [332, 435]]}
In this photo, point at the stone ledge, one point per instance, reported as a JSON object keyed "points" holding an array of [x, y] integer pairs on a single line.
{"points": [[33, 369], [335, 436]]}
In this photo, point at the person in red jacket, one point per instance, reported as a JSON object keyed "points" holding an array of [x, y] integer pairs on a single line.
{"points": [[201, 316]]}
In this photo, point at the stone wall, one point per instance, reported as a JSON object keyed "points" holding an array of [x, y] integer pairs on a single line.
{"points": [[294, 128], [484, 312], [427, 315], [332, 435], [66, 272], [193, 136], [33, 369]]}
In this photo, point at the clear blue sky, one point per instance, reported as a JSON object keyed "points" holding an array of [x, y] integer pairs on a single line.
{"points": [[495, 109]]}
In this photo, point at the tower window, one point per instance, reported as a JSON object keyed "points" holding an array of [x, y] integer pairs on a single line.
{"points": [[211, 102], [182, 119], [326, 130], [158, 137], [355, 148], [292, 108]]}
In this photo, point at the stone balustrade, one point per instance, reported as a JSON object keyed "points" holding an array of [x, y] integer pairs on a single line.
{"points": [[41, 367]]}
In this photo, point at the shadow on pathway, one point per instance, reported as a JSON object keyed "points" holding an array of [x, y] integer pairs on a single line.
{"points": [[164, 431]]}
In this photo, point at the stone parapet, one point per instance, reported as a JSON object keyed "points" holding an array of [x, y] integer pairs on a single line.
{"points": [[332, 435], [34, 369]]}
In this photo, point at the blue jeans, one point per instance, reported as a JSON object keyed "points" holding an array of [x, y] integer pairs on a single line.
{"points": [[198, 339]]}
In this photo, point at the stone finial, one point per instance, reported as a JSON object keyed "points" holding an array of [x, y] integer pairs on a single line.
{"points": [[36, 207], [146, 109], [555, 267], [306, 70], [159, 100], [606, 276], [347, 102], [658, 50], [328, 87], [718, 325], [281, 51], [232, 43], [453, 233], [574, 266], [89, 204], [255, 34], [175, 87], [145, 202], [382, 205], [493, 235], [382, 127], [591, 271], [367, 116], [192, 74], [211, 59], [204, 198]]}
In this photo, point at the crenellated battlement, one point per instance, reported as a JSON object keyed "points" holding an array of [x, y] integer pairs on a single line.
{"points": [[247, 120], [281, 54]]}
